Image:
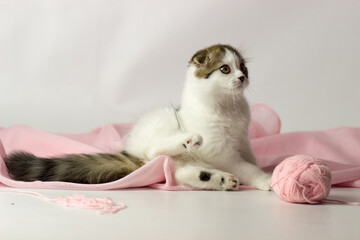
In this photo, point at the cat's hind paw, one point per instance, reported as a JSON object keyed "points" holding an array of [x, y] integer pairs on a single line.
{"points": [[229, 183], [218, 180]]}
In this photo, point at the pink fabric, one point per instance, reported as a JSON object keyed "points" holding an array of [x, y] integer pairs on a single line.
{"points": [[339, 148]]}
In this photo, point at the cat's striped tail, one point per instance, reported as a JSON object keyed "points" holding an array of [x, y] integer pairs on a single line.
{"points": [[77, 168]]}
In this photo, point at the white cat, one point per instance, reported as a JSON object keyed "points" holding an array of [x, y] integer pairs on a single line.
{"points": [[207, 136]]}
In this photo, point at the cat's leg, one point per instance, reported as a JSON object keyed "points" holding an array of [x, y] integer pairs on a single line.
{"points": [[174, 145], [205, 178]]}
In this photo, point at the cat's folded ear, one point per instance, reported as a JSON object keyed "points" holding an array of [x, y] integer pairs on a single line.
{"points": [[208, 56], [201, 60]]}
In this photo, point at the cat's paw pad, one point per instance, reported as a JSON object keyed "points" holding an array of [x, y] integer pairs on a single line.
{"points": [[226, 181], [230, 183], [193, 142], [263, 183]]}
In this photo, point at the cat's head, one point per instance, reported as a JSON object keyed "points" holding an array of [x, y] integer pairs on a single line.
{"points": [[219, 69]]}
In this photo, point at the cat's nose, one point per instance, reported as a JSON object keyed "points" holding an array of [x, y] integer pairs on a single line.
{"points": [[242, 79]]}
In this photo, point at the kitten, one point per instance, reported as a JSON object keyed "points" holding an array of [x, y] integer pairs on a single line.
{"points": [[207, 137]]}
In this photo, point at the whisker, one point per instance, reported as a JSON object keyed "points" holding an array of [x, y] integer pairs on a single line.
{"points": [[248, 59]]}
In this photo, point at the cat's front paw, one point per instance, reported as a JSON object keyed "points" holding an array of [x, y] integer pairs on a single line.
{"points": [[192, 142], [263, 183]]}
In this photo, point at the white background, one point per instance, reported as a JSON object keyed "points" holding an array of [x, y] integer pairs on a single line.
{"points": [[71, 66]]}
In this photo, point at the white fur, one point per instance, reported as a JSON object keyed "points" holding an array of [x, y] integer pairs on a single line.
{"points": [[213, 133]]}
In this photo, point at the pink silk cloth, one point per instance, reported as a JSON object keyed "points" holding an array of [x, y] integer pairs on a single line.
{"points": [[339, 148]]}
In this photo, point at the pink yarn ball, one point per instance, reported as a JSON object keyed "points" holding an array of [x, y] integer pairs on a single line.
{"points": [[302, 179]]}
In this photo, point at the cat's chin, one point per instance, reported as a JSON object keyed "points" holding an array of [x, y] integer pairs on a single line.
{"points": [[239, 86], [236, 89]]}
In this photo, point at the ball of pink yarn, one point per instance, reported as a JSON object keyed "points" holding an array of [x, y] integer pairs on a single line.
{"points": [[302, 179]]}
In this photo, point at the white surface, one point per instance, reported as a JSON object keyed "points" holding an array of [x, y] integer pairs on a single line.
{"points": [[154, 214], [70, 66]]}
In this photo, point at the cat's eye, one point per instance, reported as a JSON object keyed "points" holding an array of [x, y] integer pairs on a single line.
{"points": [[225, 69]]}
